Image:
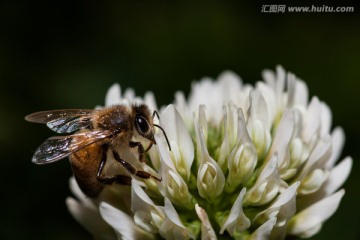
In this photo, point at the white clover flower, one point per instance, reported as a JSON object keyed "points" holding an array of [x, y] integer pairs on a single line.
{"points": [[245, 162]]}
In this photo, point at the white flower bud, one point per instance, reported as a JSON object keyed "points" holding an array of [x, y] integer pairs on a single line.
{"points": [[210, 178], [243, 159], [267, 185], [176, 189], [261, 138], [172, 185], [210, 181], [241, 164], [313, 181]]}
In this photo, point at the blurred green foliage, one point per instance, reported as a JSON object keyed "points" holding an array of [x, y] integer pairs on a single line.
{"points": [[66, 54]]}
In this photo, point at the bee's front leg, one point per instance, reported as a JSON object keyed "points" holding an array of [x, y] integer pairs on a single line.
{"points": [[141, 149], [120, 179], [131, 169]]}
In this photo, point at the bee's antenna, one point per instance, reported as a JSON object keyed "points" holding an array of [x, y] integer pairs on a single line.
{"points": [[167, 140]]}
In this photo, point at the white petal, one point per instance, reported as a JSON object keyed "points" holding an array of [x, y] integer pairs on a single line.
{"points": [[269, 77], [269, 168], [312, 120], [113, 95], [207, 231], [338, 176], [301, 93], [258, 109], [224, 90], [243, 99], [203, 123], [83, 199], [243, 134], [286, 203], [318, 156], [150, 101], [129, 94], [309, 221], [285, 197], [225, 145], [184, 109], [177, 132], [164, 152], [326, 119], [313, 181], [258, 123], [236, 219], [122, 223], [90, 219], [291, 89], [199, 95], [281, 141], [337, 139], [280, 80], [269, 95], [172, 227], [229, 85], [299, 153], [283, 208], [275, 80], [154, 156], [335, 180], [263, 232]]}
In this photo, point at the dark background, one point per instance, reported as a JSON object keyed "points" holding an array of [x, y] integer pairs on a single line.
{"points": [[65, 54]]}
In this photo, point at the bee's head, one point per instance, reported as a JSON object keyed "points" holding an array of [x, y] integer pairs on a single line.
{"points": [[143, 121], [144, 124]]}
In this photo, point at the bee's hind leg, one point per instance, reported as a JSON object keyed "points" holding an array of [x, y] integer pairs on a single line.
{"points": [[131, 169], [119, 179]]}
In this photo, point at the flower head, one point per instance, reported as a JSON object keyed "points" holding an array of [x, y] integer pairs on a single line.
{"points": [[247, 162]]}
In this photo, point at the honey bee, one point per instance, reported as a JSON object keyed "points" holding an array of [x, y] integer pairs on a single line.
{"points": [[98, 133]]}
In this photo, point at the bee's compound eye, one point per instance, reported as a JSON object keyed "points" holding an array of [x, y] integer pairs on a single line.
{"points": [[142, 124]]}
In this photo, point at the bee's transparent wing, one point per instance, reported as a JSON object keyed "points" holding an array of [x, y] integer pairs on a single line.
{"points": [[69, 124], [63, 121], [59, 147]]}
